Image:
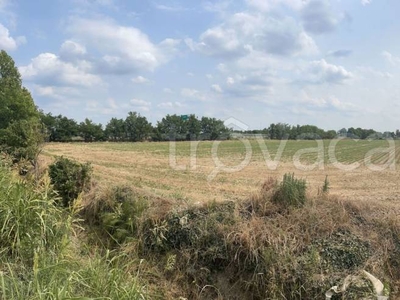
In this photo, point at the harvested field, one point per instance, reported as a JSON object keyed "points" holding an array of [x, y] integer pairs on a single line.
{"points": [[195, 177]]}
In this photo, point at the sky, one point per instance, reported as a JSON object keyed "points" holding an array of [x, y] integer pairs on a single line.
{"points": [[328, 63]]}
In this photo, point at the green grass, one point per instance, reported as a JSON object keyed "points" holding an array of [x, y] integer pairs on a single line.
{"points": [[41, 256], [346, 150]]}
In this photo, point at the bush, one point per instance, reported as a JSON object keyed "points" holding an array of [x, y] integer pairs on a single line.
{"points": [[290, 192], [116, 211], [69, 178]]}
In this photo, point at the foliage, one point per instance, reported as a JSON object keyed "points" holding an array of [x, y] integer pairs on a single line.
{"points": [[290, 192], [40, 255], [115, 130], [116, 211], [28, 220], [137, 128], [91, 131], [213, 129], [20, 132], [69, 178], [171, 127]]}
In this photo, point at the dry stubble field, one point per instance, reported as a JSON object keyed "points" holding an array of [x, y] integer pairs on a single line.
{"points": [[148, 166]]}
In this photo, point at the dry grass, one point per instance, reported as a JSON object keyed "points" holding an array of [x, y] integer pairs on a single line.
{"points": [[146, 166], [226, 239]]}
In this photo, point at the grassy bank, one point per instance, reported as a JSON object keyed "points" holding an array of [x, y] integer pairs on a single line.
{"points": [[119, 242], [265, 247], [43, 254]]}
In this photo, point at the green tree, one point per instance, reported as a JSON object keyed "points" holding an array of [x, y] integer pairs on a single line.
{"points": [[64, 129], [115, 130], [193, 126], [213, 129], [91, 131], [21, 133], [137, 128], [171, 127], [280, 131]]}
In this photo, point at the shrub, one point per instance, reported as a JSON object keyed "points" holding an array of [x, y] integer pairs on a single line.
{"points": [[290, 192], [116, 211], [69, 178]]}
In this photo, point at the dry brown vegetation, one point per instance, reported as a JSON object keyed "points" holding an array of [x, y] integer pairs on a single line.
{"points": [[229, 238], [146, 166]]}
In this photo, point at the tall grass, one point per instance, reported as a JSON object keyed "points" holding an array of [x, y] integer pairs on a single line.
{"points": [[41, 256], [291, 192]]}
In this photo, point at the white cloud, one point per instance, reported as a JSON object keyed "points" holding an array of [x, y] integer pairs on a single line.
{"points": [[366, 2], [218, 41], [170, 105], [331, 102], [318, 18], [242, 33], [252, 85], [267, 5], [391, 58], [169, 8], [222, 68], [220, 6], [44, 90], [168, 91], [230, 81], [362, 71], [340, 53], [49, 69], [140, 104], [192, 93], [124, 49], [140, 80], [71, 50], [216, 88], [55, 92], [323, 72], [91, 3], [3, 4], [7, 42]]}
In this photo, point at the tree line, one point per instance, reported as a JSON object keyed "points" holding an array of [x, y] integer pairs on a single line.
{"points": [[23, 127], [281, 131], [134, 128]]}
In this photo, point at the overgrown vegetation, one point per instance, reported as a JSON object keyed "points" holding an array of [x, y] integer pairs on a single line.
{"points": [[290, 192], [69, 178], [42, 257], [281, 243], [21, 131], [254, 249]]}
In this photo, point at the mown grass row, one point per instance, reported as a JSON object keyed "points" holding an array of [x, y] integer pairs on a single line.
{"points": [[346, 151]]}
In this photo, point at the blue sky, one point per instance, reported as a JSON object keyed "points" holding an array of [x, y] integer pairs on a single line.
{"points": [[329, 63]]}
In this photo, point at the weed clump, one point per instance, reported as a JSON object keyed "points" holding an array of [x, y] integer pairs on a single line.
{"points": [[116, 211], [69, 178], [343, 251], [291, 192]]}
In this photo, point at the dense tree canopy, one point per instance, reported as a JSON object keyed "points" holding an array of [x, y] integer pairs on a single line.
{"points": [[20, 128]]}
